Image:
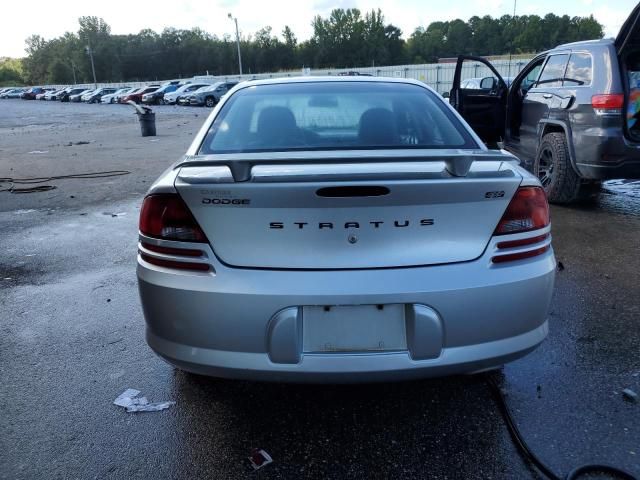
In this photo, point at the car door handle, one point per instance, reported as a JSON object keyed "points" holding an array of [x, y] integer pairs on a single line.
{"points": [[547, 95]]}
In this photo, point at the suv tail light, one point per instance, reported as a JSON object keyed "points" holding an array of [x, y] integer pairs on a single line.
{"points": [[165, 216], [527, 211], [608, 104]]}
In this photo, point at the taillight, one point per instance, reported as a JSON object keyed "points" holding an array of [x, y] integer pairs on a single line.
{"points": [[608, 104], [528, 210], [512, 257], [523, 242], [165, 216], [186, 252], [161, 262]]}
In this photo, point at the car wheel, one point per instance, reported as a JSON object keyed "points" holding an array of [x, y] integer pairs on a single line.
{"points": [[554, 170], [161, 101], [210, 102]]}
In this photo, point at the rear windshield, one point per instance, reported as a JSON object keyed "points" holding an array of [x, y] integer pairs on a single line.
{"points": [[334, 115]]}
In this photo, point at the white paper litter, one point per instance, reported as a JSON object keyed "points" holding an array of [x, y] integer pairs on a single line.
{"points": [[132, 403], [124, 399]]}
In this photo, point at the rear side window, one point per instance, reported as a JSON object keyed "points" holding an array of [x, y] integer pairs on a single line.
{"points": [[334, 115], [553, 71], [579, 70]]}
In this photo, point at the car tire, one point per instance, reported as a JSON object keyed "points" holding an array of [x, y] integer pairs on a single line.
{"points": [[161, 101], [210, 102], [553, 168]]}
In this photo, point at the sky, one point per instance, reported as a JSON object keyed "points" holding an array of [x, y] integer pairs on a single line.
{"points": [[50, 20]]}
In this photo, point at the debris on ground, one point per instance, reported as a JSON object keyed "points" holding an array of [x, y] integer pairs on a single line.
{"points": [[39, 151], [259, 458], [560, 266], [132, 403], [81, 142], [630, 395], [113, 214]]}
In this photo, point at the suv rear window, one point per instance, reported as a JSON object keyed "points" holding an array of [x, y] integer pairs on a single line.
{"points": [[553, 71], [334, 115], [579, 70]]}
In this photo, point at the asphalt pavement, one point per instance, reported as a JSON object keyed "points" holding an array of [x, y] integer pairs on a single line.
{"points": [[72, 340]]}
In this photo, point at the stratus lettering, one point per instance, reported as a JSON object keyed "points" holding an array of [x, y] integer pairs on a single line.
{"points": [[375, 224]]}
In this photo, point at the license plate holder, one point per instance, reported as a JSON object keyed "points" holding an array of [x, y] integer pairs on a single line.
{"points": [[354, 328]]}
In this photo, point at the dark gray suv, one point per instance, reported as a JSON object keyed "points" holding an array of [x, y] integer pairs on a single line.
{"points": [[569, 115]]}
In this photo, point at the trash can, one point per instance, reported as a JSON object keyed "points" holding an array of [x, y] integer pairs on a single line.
{"points": [[147, 124]]}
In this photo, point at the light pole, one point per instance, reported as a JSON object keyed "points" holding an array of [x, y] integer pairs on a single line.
{"points": [[513, 21], [73, 69], [237, 42], [93, 68]]}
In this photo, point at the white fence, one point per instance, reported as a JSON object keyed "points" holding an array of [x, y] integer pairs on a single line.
{"points": [[439, 76]]}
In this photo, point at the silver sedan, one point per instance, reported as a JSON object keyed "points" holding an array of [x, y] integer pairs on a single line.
{"points": [[343, 230]]}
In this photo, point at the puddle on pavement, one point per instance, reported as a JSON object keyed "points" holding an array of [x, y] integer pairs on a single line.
{"points": [[621, 196], [21, 274], [623, 187]]}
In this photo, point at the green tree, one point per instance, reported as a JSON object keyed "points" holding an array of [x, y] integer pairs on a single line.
{"points": [[346, 38], [289, 51], [11, 72]]}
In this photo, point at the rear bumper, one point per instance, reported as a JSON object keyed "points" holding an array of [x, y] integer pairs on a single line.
{"points": [[477, 315], [605, 153], [347, 368]]}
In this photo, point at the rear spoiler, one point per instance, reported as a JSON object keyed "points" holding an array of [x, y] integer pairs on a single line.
{"points": [[457, 163]]}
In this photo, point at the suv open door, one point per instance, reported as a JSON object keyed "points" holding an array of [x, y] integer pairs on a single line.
{"points": [[628, 40], [484, 108]]}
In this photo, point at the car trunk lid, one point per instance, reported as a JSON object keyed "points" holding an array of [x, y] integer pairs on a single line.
{"points": [[348, 214]]}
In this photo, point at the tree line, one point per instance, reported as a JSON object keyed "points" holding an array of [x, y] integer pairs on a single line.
{"points": [[345, 39]]}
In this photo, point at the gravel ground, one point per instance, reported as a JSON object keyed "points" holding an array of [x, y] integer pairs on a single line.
{"points": [[72, 339]]}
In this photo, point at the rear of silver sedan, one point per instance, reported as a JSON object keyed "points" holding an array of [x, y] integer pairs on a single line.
{"points": [[314, 246]]}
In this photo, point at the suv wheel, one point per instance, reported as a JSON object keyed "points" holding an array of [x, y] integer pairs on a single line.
{"points": [[553, 169], [210, 102]]}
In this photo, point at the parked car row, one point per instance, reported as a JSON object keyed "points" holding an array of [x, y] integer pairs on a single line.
{"points": [[24, 93], [11, 92], [170, 93]]}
